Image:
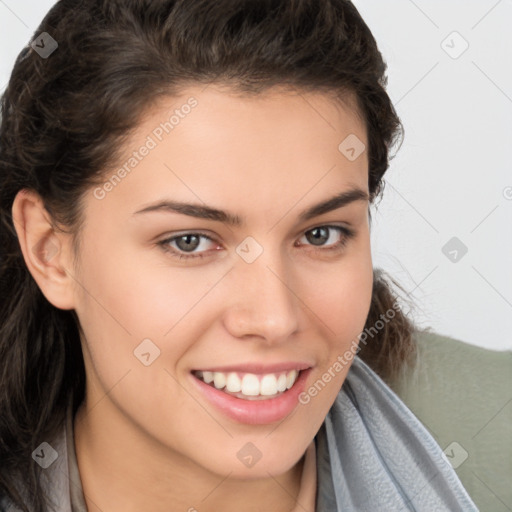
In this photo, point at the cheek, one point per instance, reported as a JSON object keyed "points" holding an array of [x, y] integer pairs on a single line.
{"points": [[123, 300], [341, 297], [137, 296], [342, 303]]}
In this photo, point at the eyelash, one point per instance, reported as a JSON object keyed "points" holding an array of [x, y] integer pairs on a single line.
{"points": [[347, 233]]}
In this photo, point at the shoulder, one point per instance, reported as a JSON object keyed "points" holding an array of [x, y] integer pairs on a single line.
{"points": [[457, 387], [461, 393]]}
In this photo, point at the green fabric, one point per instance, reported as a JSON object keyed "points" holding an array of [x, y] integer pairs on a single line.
{"points": [[463, 394]]}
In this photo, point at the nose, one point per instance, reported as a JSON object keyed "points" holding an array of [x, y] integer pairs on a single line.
{"points": [[262, 302]]}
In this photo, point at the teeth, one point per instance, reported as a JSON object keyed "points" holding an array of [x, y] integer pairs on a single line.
{"points": [[219, 380], [268, 385], [290, 379], [281, 382], [233, 383], [250, 385]]}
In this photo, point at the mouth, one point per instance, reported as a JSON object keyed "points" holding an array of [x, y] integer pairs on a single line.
{"points": [[250, 386], [252, 394]]}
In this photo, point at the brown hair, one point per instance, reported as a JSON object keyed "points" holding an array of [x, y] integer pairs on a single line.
{"points": [[64, 121]]}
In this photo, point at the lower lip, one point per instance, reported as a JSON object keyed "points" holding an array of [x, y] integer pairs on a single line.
{"points": [[255, 412]]}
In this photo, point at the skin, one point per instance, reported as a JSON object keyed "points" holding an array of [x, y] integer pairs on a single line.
{"points": [[144, 437]]}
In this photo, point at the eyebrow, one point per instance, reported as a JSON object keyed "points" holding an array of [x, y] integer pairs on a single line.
{"points": [[209, 213]]}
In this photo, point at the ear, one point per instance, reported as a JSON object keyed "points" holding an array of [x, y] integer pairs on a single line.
{"points": [[47, 251]]}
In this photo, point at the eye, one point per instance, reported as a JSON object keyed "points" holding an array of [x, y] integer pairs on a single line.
{"points": [[186, 242], [184, 246], [339, 235]]}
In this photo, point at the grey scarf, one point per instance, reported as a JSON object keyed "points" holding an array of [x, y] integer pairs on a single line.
{"points": [[373, 454]]}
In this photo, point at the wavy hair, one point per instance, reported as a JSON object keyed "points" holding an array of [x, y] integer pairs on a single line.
{"points": [[65, 119]]}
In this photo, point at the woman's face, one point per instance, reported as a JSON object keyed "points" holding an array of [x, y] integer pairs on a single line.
{"points": [[275, 292]]}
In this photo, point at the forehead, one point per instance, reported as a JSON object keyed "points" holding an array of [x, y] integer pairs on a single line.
{"points": [[213, 145], [217, 113], [274, 107]]}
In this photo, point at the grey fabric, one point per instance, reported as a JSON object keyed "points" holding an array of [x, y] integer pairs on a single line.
{"points": [[372, 453]]}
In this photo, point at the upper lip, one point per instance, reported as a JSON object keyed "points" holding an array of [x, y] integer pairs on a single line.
{"points": [[258, 368]]}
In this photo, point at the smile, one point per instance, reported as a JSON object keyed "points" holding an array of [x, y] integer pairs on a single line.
{"points": [[250, 386], [253, 394]]}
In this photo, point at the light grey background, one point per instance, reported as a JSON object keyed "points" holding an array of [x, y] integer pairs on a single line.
{"points": [[452, 177]]}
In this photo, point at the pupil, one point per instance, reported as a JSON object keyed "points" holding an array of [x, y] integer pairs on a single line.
{"points": [[187, 245], [322, 238]]}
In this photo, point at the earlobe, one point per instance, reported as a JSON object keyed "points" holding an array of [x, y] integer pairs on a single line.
{"points": [[45, 250]]}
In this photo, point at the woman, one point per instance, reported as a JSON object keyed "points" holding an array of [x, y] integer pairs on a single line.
{"points": [[186, 269]]}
